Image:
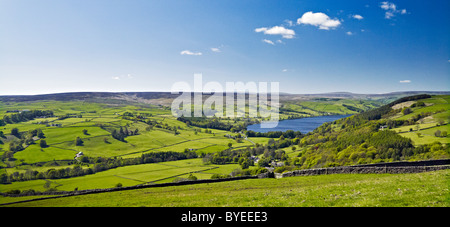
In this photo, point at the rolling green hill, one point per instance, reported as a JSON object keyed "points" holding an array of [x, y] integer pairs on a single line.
{"points": [[130, 143]]}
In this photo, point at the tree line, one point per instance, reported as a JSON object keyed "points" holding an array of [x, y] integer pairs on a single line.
{"points": [[275, 134], [25, 116]]}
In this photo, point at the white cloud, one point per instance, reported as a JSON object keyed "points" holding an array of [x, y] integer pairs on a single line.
{"points": [[277, 30], [405, 81], [389, 15], [187, 52], [391, 9], [349, 33], [284, 70], [215, 49], [268, 41], [320, 20], [289, 23], [358, 17], [388, 6], [128, 76]]}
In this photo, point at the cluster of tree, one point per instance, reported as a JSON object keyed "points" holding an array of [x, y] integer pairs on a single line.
{"points": [[22, 140], [215, 123], [136, 117], [275, 134], [204, 122], [246, 157], [189, 178], [123, 133], [438, 133], [94, 165], [25, 116], [352, 108], [70, 115]]}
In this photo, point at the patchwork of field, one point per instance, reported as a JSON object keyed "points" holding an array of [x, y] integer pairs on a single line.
{"points": [[433, 116], [127, 176], [126, 132], [98, 119], [326, 106], [150, 129]]}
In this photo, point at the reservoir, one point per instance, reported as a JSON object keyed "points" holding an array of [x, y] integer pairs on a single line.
{"points": [[304, 125]]}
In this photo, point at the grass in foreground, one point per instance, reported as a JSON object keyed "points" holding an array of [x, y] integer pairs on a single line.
{"points": [[385, 190]]}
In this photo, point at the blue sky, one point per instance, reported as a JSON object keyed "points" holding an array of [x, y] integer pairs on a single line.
{"points": [[310, 46]]}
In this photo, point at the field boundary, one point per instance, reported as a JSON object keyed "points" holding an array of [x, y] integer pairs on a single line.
{"points": [[379, 168]]}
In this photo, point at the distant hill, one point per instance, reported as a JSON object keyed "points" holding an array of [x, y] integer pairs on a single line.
{"points": [[145, 96], [350, 95]]}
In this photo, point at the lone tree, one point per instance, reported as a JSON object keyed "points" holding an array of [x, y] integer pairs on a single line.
{"points": [[437, 133], [15, 132], [79, 142], [43, 144], [85, 131], [406, 111]]}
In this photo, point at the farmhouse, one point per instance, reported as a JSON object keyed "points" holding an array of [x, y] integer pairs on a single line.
{"points": [[79, 154], [255, 159]]}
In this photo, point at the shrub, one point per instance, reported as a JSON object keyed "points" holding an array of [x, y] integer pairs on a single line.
{"points": [[219, 176], [437, 133]]}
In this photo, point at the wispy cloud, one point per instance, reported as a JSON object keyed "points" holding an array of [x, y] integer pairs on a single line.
{"points": [[188, 52], [349, 33], [128, 76], [215, 49], [391, 10], [405, 81], [268, 41], [277, 30], [289, 23], [358, 17], [320, 20]]}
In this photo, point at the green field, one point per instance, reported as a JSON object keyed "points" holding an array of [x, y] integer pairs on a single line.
{"points": [[436, 116], [99, 142], [128, 176], [348, 190], [325, 106]]}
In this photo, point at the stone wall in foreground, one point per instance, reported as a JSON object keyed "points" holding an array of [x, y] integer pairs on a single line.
{"points": [[363, 170]]}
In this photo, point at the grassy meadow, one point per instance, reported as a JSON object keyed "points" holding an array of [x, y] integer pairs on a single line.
{"points": [[347, 190]]}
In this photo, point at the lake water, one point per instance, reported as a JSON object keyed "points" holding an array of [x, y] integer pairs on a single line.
{"points": [[304, 125]]}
